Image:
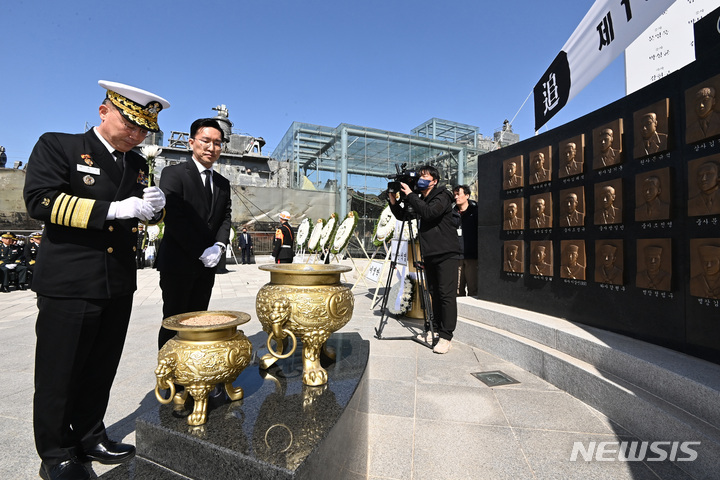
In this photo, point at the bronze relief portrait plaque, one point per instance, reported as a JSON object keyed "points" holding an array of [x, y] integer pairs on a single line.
{"points": [[513, 256], [541, 210], [704, 186], [608, 202], [705, 267], [651, 129], [571, 154], [540, 165], [607, 145], [702, 114], [572, 207], [654, 264], [513, 214], [609, 261], [653, 195], [513, 173], [541, 258], [572, 260]]}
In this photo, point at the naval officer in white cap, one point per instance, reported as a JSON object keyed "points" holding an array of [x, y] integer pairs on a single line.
{"points": [[90, 190]]}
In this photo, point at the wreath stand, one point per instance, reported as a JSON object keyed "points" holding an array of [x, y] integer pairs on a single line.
{"points": [[373, 304]]}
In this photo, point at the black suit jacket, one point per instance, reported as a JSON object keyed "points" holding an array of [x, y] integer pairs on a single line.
{"points": [[241, 240], [190, 226], [70, 182]]}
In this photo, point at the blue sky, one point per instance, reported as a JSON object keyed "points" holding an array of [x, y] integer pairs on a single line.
{"points": [[384, 64]]}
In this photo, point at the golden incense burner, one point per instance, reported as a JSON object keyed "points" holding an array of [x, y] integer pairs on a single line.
{"points": [[208, 349], [305, 301]]}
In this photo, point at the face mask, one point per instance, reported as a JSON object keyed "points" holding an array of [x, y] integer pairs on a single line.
{"points": [[423, 183]]}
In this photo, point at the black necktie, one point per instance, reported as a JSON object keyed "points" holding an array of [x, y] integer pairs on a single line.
{"points": [[119, 160], [208, 185]]}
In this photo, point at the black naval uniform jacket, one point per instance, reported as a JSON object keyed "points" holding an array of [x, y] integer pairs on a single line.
{"points": [[71, 181], [190, 225], [283, 244]]}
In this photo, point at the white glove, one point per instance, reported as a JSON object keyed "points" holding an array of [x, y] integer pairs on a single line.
{"points": [[211, 256], [132, 207], [11, 266], [155, 197]]}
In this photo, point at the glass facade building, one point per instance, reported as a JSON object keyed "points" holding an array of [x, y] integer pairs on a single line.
{"points": [[356, 163]]}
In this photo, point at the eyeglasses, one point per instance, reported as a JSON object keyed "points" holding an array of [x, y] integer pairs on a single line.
{"points": [[130, 128], [207, 143]]}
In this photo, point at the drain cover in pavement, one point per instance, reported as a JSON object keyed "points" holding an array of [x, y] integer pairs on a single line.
{"points": [[494, 379]]}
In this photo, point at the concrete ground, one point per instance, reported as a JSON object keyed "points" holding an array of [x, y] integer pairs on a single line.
{"points": [[430, 418]]}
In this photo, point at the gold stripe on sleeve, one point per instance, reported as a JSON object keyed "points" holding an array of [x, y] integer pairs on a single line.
{"points": [[81, 215], [56, 207]]}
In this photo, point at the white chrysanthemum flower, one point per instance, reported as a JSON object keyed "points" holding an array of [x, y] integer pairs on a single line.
{"points": [[153, 231], [327, 231], [303, 232], [343, 233], [315, 235], [402, 291], [151, 151], [384, 227]]}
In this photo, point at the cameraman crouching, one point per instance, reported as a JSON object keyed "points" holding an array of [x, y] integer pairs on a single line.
{"points": [[439, 247]]}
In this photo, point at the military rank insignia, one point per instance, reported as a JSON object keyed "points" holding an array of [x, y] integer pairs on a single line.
{"points": [[87, 158], [142, 178]]}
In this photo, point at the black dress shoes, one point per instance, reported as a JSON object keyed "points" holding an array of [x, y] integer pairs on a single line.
{"points": [[110, 453], [68, 470]]}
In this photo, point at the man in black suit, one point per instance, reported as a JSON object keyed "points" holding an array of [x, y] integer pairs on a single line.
{"points": [[90, 190], [246, 245], [197, 225]]}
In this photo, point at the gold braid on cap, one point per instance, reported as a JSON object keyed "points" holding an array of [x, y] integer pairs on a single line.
{"points": [[143, 116]]}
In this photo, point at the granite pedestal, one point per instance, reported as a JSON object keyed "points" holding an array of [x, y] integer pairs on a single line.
{"points": [[282, 429]]}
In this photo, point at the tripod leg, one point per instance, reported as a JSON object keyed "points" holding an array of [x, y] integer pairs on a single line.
{"points": [[383, 308]]}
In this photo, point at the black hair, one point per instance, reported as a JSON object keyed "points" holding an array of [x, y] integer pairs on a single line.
{"points": [[206, 122], [432, 171], [465, 189]]}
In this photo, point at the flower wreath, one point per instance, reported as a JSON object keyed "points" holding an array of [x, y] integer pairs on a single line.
{"points": [[303, 232], [405, 296], [343, 233], [315, 235], [406, 230], [384, 228], [328, 231]]}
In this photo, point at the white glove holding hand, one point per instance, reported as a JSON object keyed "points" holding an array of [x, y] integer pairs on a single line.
{"points": [[211, 256], [155, 197], [132, 207]]}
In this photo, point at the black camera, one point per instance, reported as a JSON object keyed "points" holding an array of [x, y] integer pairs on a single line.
{"points": [[409, 177]]}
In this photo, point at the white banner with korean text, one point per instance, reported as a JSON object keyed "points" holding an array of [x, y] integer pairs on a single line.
{"points": [[605, 32]]}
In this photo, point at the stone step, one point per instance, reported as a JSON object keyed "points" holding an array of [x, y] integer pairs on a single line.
{"points": [[650, 391]]}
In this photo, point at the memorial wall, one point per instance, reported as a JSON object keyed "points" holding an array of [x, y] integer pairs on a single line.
{"points": [[613, 220]]}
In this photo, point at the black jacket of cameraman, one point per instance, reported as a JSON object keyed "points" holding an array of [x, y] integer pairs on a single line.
{"points": [[438, 223]]}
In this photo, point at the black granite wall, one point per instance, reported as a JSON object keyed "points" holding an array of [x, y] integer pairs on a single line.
{"points": [[669, 315]]}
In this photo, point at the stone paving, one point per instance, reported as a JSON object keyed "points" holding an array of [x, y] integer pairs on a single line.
{"points": [[430, 418]]}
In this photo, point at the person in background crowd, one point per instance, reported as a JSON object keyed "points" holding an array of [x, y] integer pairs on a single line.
{"points": [[283, 249], [245, 242], [468, 232], [32, 247], [12, 262]]}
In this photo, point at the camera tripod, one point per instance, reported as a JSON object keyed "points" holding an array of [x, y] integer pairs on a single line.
{"points": [[425, 302]]}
